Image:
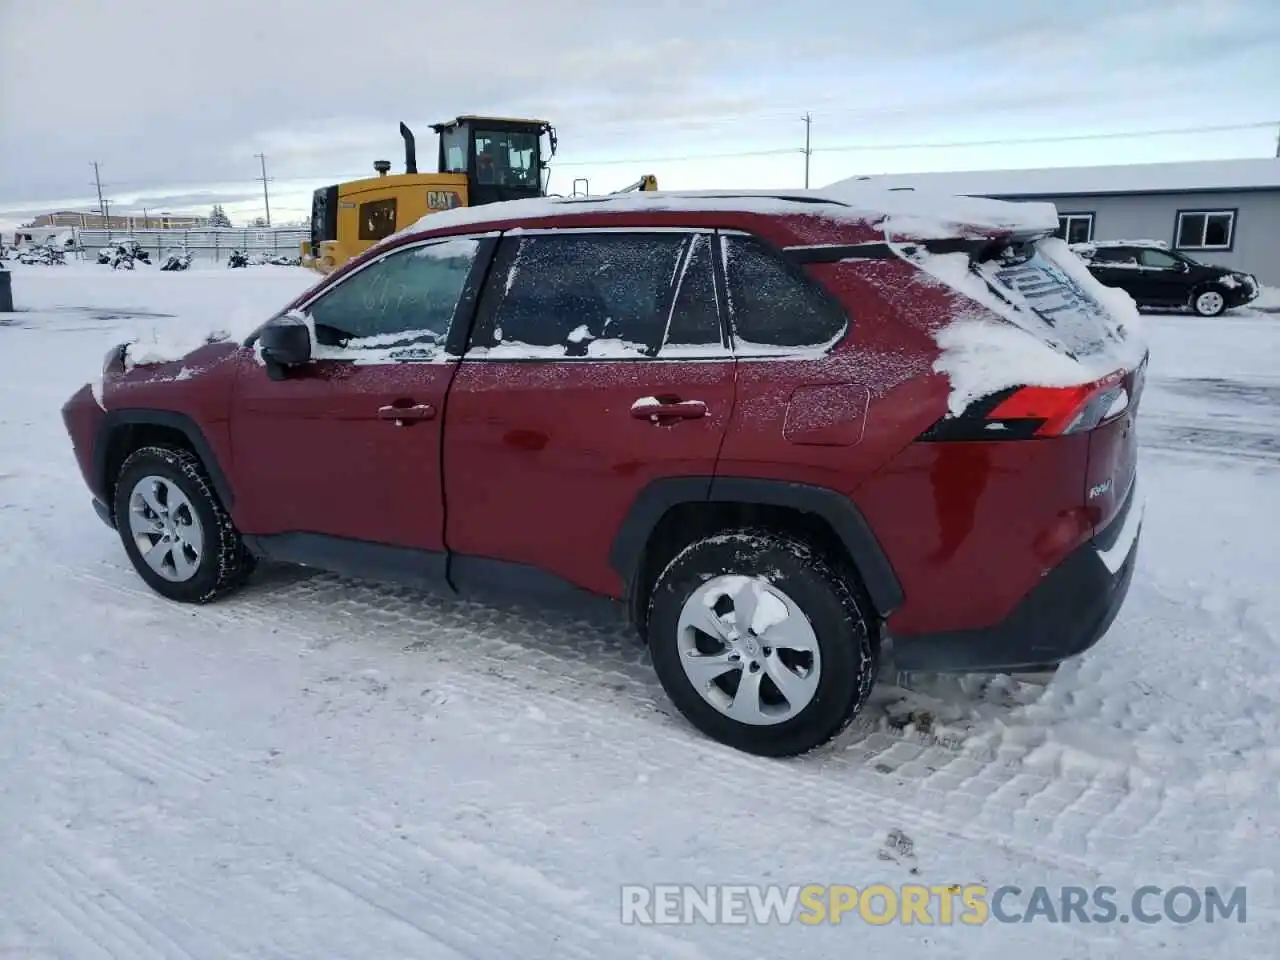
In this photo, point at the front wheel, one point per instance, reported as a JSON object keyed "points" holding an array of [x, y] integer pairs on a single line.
{"points": [[1209, 303], [176, 532], [759, 641]]}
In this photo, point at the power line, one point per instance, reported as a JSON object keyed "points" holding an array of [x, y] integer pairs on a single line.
{"points": [[775, 152], [940, 145], [1224, 128], [266, 198]]}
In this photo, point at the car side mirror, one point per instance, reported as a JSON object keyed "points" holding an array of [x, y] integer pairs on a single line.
{"points": [[284, 343], [1181, 266]]}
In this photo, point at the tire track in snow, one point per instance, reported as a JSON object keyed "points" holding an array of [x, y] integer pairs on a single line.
{"points": [[578, 702], [352, 859]]}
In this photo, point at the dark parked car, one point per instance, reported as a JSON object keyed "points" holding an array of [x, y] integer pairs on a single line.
{"points": [[1156, 276], [723, 417]]}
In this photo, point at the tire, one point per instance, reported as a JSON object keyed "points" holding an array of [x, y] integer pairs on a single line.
{"points": [[222, 563], [815, 596], [1209, 301]]}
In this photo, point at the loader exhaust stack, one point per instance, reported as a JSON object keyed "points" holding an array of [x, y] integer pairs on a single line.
{"points": [[410, 151]]}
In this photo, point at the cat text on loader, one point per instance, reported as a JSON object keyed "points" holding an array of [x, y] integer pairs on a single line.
{"points": [[480, 160]]}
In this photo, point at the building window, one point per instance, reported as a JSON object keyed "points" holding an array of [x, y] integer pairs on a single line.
{"points": [[1205, 229], [1075, 227]]}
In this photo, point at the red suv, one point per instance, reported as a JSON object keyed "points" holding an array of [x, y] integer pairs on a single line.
{"points": [[779, 433]]}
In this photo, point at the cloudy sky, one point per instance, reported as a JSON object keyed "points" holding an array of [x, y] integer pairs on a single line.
{"points": [[175, 97]]}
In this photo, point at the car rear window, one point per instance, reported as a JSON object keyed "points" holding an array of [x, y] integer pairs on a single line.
{"points": [[1047, 301]]}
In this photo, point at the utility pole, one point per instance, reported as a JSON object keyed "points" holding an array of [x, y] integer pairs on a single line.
{"points": [[266, 199], [97, 182], [808, 150]]}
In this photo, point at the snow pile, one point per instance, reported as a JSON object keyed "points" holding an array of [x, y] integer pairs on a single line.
{"points": [[1268, 299]]}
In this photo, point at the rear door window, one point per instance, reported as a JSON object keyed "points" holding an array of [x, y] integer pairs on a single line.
{"points": [[771, 304], [1114, 256], [589, 294]]}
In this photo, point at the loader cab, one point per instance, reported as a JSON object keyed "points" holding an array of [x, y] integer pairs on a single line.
{"points": [[502, 159]]}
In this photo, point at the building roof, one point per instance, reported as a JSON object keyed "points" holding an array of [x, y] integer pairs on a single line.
{"points": [[1199, 176]]}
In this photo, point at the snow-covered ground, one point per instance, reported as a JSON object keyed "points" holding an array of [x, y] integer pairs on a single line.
{"points": [[323, 768]]}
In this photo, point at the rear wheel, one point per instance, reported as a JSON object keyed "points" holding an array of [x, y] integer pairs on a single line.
{"points": [[1209, 303], [759, 641], [177, 535]]}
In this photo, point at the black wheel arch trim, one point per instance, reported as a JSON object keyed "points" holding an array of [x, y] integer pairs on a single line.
{"points": [[840, 512], [118, 419]]}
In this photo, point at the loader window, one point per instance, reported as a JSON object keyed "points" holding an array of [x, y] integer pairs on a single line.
{"points": [[324, 217], [506, 158], [453, 150], [377, 219]]}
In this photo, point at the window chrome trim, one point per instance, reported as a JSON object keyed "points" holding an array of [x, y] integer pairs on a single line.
{"points": [[568, 229]]}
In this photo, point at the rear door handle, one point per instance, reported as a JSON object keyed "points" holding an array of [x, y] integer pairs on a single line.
{"points": [[406, 414], [656, 410]]}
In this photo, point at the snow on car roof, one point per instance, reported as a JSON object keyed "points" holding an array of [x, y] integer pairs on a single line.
{"points": [[1182, 177], [904, 213]]}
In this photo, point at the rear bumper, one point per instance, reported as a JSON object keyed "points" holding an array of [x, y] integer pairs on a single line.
{"points": [[1069, 611]]}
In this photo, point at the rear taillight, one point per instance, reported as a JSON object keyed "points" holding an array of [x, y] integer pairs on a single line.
{"points": [[1035, 412]]}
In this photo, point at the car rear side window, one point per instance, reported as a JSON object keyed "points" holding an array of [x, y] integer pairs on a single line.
{"points": [[586, 294], [1157, 258], [1114, 255], [770, 305], [407, 296]]}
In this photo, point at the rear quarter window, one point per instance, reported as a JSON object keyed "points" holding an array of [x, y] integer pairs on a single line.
{"points": [[771, 303]]}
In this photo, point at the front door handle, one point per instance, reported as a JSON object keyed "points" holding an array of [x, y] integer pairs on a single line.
{"points": [[400, 415], [657, 410]]}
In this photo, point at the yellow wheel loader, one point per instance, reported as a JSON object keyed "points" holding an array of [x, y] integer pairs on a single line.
{"points": [[480, 160]]}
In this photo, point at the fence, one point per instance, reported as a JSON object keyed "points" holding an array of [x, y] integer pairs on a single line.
{"points": [[203, 243]]}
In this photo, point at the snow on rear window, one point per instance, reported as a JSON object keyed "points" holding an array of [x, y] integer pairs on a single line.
{"points": [[1047, 322]]}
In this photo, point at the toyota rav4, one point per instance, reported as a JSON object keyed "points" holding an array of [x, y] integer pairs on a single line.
{"points": [[782, 434]]}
